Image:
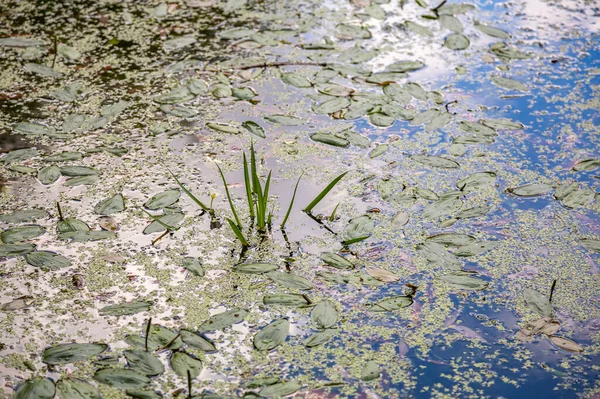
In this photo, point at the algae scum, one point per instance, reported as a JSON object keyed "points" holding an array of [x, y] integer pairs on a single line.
{"points": [[455, 255]]}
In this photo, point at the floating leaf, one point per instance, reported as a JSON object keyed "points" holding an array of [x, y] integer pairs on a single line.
{"points": [[127, 308], [170, 219], [586, 164], [70, 224], [296, 80], [492, 31], [579, 198], [85, 236], [41, 70], [331, 106], [324, 315], [475, 181], [143, 394], [530, 190], [76, 389], [25, 215], [71, 353], [47, 260], [456, 41], [48, 174], [244, 93], [465, 282], [352, 31], [110, 205], [121, 378], [197, 341], [565, 344], [182, 364], [451, 23], [284, 120], [434, 161], [405, 66], [18, 41], [178, 111], [15, 249], [223, 127], [290, 280], [381, 120], [176, 95], [194, 266], [222, 320], [21, 233], [382, 275], [73, 171], [163, 200], [502, 124], [509, 84], [476, 248], [333, 89], [477, 128], [19, 303], [82, 180], [221, 90], [436, 253], [68, 52], [378, 151], [36, 388], [418, 29], [330, 139], [442, 207], [272, 335], [400, 219], [474, 212], [144, 362], [392, 303], [319, 338], [370, 372], [255, 268], [280, 389], [286, 300], [335, 260], [454, 8], [19, 155], [588, 243], [255, 129], [359, 228], [538, 302]]}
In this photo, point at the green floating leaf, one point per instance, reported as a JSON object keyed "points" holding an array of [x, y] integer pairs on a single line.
{"points": [[194, 266], [223, 127], [335, 260], [47, 260], [49, 175], [143, 394], [442, 207], [579, 198], [24, 215], [296, 80], [476, 248], [176, 95], [392, 303], [64, 156], [502, 124], [436, 253], [381, 120], [319, 338], [352, 31], [324, 315], [19, 155], [290, 280], [588, 243], [71, 353], [370, 372], [255, 129], [272, 335], [41, 70], [454, 8], [293, 300], [530, 190], [359, 228], [71, 224], [74, 171], [21, 233], [197, 341], [22, 169], [492, 31], [182, 364], [121, 378], [127, 308], [284, 120], [330, 139], [437, 162], [221, 90], [15, 249], [456, 41], [223, 320], [332, 106], [163, 337], [475, 181], [379, 151], [586, 165], [18, 41], [474, 212], [163, 200], [509, 84], [82, 180], [538, 302], [85, 236], [157, 226], [255, 268], [178, 111], [451, 23], [36, 388], [244, 93], [144, 362], [418, 29], [76, 389], [465, 282], [109, 206], [280, 389]]}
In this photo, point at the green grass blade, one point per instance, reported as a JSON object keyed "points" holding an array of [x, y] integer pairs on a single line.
{"points": [[289, 210], [264, 201], [237, 219], [323, 193], [248, 187], [332, 217], [157, 220], [255, 179], [189, 194], [237, 232]]}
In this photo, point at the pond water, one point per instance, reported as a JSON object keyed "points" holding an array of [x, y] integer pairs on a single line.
{"points": [[434, 166]]}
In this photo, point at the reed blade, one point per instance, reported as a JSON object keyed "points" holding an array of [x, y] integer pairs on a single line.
{"points": [[289, 210], [323, 193], [248, 187], [157, 220], [189, 193], [237, 219], [237, 232]]}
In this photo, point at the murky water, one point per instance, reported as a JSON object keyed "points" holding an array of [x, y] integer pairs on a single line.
{"points": [[456, 258]]}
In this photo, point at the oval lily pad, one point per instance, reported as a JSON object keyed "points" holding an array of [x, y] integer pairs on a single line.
{"points": [[197, 341], [537, 302], [194, 266], [272, 335], [510, 84], [163, 200], [319, 338], [255, 268], [74, 171], [121, 378], [280, 389], [293, 300], [25, 215], [36, 388], [85, 236], [530, 190], [111, 205], [255, 129], [442, 207], [586, 164], [144, 362], [49, 174], [370, 372], [220, 321], [127, 308], [359, 229], [182, 364], [335, 260], [290, 280], [330, 139], [331, 106], [456, 41], [47, 260], [392, 303], [284, 120], [21, 233], [76, 389], [223, 127], [164, 336], [296, 80], [465, 282], [71, 224], [324, 315], [71, 353], [15, 249], [475, 181], [82, 180], [170, 219], [379, 151]]}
